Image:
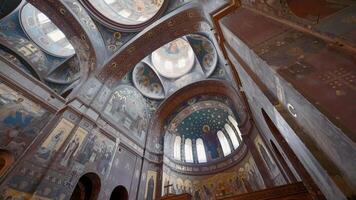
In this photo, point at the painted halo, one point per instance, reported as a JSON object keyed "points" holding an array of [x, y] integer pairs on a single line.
{"points": [[44, 32], [125, 14], [147, 81], [174, 59], [205, 51]]}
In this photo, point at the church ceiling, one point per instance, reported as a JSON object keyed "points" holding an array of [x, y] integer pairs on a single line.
{"points": [[201, 116]]}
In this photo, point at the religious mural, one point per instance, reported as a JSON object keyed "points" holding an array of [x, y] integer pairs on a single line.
{"points": [[242, 178], [205, 51], [202, 118], [151, 184], [21, 120], [73, 146], [147, 81], [96, 149], [128, 107], [55, 140]]}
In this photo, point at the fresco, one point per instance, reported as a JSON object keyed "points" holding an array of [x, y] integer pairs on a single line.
{"points": [[242, 178], [55, 140], [98, 150], [205, 51], [147, 81], [21, 120], [202, 119], [73, 146], [151, 184], [128, 107]]}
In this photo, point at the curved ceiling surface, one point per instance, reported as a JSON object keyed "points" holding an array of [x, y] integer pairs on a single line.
{"points": [[44, 32], [174, 59], [201, 118], [127, 12]]}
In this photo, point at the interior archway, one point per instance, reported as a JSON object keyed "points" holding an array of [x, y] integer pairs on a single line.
{"points": [[119, 193], [87, 188], [6, 159]]}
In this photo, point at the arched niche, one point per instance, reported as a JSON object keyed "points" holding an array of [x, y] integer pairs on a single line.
{"points": [[6, 160], [87, 188], [119, 193]]}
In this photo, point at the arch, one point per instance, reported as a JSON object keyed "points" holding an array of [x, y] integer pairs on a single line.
{"points": [[200, 150], [108, 13], [177, 148], [6, 160], [173, 102], [189, 15], [188, 151], [232, 135], [87, 188], [224, 143], [8, 6], [119, 193]]}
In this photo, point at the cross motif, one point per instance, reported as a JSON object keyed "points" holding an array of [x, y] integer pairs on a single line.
{"points": [[166, 187]]}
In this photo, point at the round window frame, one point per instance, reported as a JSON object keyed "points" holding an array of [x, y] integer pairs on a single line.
{"points": [[39, 45], [114, 25]]}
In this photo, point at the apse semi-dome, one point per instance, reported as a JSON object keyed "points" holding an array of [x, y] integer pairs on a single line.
{"points": [[125, 12], [174, 59], [206, 127], [44, 32]]}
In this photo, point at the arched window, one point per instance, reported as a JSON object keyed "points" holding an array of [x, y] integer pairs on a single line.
{"points": [[176, 148], [188, 150], [236, 126], [224, 143], [232, 135], [87, 188], [201, 151], [119, 193]]}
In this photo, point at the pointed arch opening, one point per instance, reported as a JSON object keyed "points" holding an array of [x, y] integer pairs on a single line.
{"points": [[6, 160], [201, 151]]}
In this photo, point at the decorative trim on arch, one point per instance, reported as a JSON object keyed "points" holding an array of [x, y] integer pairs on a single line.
{"points": [[190, 19], [206, 87]]}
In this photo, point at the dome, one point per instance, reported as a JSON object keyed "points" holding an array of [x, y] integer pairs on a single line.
{"points": [[174, 59], [44, 32], [127, 12]]}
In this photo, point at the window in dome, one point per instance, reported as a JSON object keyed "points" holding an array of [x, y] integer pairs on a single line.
{"points": [[236, 126], [232, 135], [174, 59], [127, 12], [177, 147], [44, 33], [201, 151], [224, 143], [188, 151]]}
